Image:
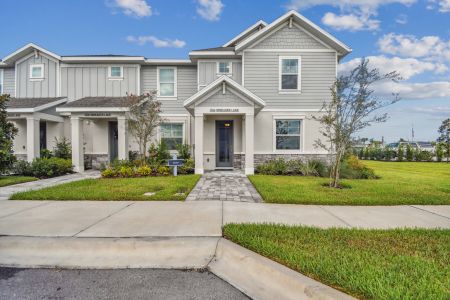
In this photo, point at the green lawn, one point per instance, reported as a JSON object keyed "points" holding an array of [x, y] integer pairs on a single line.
{"points": [[165, 188], [400, 183], [10, 180], [368, 264]]}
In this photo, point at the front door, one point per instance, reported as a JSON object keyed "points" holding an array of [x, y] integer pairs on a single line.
{"points": [[113, 141], [224, 144]]}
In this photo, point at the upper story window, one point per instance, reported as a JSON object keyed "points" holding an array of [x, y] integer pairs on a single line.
{"points": [[287, 134], [37, 71], [290, 67], [1, 82], [172, 134], [224, 68], [115, 72], [167, 81]]}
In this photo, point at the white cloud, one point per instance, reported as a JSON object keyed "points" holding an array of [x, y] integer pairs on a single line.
{"points": [[350, 22], [407, 67], [427, 47], [355, 15], [156, 42], [401, 19], [440, 111], [409, 91], [442, 5], [136, 8], [210, 9]]}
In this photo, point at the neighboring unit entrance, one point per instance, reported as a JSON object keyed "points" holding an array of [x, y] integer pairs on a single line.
{"points": [[224, 144], [113, 141]]}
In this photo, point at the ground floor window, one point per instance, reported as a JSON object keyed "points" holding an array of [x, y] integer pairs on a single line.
{"points": [[172, 134], [287, 134]]}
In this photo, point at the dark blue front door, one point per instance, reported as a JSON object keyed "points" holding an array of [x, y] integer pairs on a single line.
{"points": [[224, 144]]}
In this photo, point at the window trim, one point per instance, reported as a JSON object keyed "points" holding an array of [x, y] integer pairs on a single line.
{"points": [[2, 75], [110, 77], [218, 68], [42, 71], [175, 87], [299, 75], [182, 123], [301, 118]]}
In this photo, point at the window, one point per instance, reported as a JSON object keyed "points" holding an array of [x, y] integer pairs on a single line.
{"points": [[287, 134], [1, 82], [172, 134], [289, 73], [167, 82], [224, 68], [115, 72], [37, 71]]}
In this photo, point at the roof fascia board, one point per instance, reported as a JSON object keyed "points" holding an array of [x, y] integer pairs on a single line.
{"points": [[211, 53], [168, 61], [31, 45], [243, 33], [105, 58], [51, 104], [92, 109], [37, 108]]}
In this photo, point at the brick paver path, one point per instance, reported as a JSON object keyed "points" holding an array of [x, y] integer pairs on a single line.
{"points": [[224, 186]]}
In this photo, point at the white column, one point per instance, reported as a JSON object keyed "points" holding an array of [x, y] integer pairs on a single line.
{"points": [[122, 126], [198, 144], [77, 144], [249, 145], [33, 140]]}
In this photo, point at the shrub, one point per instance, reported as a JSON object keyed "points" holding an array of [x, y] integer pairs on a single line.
{"points": [[44, 167], [62, 149], [109, 173], [439, 151], [188, 167], [45, 153], [118, 163], [366, 153], [144, 170], [388, 153], [125, 171], [158, 154], [273, 167], [22, 167], [361, 153], [400, 153], [184, 151], [163, 170], [352, 168], [424, 155], [409, 153]]}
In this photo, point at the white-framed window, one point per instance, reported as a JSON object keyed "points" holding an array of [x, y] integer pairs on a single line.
{"points": [[290, 73], [167, 82], [288, 134], [172, 134], [1, 81], [37, 71], [115, 72], [224, 68]]}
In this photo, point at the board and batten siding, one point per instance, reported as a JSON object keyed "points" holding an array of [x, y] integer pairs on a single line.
{"points": [[208, 72], [9, 83], [186, 87], [318, 72], [79, 81], [39, 88]]}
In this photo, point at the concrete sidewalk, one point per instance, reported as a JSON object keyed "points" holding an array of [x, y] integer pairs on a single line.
{"points": [[197, 219]]}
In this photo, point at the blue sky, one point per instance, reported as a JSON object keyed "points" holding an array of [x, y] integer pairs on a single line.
{"points": [[411, 36]]}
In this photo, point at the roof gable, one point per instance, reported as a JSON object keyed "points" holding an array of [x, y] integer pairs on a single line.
{"points": [[246, 33], [26, 50], [308, 26]]}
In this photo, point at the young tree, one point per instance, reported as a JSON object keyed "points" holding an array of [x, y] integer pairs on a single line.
{"points": [[7, 133], [444, 137], [352, 108], [144, 119]]}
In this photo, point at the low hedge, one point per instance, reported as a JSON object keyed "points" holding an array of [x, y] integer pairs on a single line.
{"points": [[44, 167]]}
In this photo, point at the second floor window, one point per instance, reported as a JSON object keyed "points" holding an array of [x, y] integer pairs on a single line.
{"points": [[224, 68], [172, 134], [115, 72], [289, 73], [167, 82], [37, 71]]}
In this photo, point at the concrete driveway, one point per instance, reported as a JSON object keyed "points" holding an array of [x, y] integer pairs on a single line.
{"points": [[197, 219]]}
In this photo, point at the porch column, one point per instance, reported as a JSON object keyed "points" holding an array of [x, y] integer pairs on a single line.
{"points": [[122, 126], [77, 144], [198, 144], [249, 147], [33, 139]]}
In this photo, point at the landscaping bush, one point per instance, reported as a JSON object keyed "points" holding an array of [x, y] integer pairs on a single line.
{"points": [[188, 167], [273, 167], [62, 149], [409, 153], [44, 167], [184, 151], [439, 151], [293, 167], [352, 168], [424, 155], [400, 153], [45, 153], [158, 154], [144, 170]]}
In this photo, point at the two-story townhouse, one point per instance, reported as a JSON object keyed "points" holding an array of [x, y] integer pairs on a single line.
{"points": [[237, 105]]}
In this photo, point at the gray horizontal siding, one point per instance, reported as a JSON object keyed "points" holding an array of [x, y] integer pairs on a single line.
{"points": [[186, 87], [9, 82], [318, 71], [92, 81], [289, 38], [27, 88], [208, 72]]}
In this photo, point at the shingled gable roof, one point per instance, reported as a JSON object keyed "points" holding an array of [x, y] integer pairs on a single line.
{"points": [[306, 24], [246, 33], [33, 104], [216, 83]]}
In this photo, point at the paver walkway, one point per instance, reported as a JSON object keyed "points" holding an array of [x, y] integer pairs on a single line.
{"points": [[7, 191], [224, 186]]}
